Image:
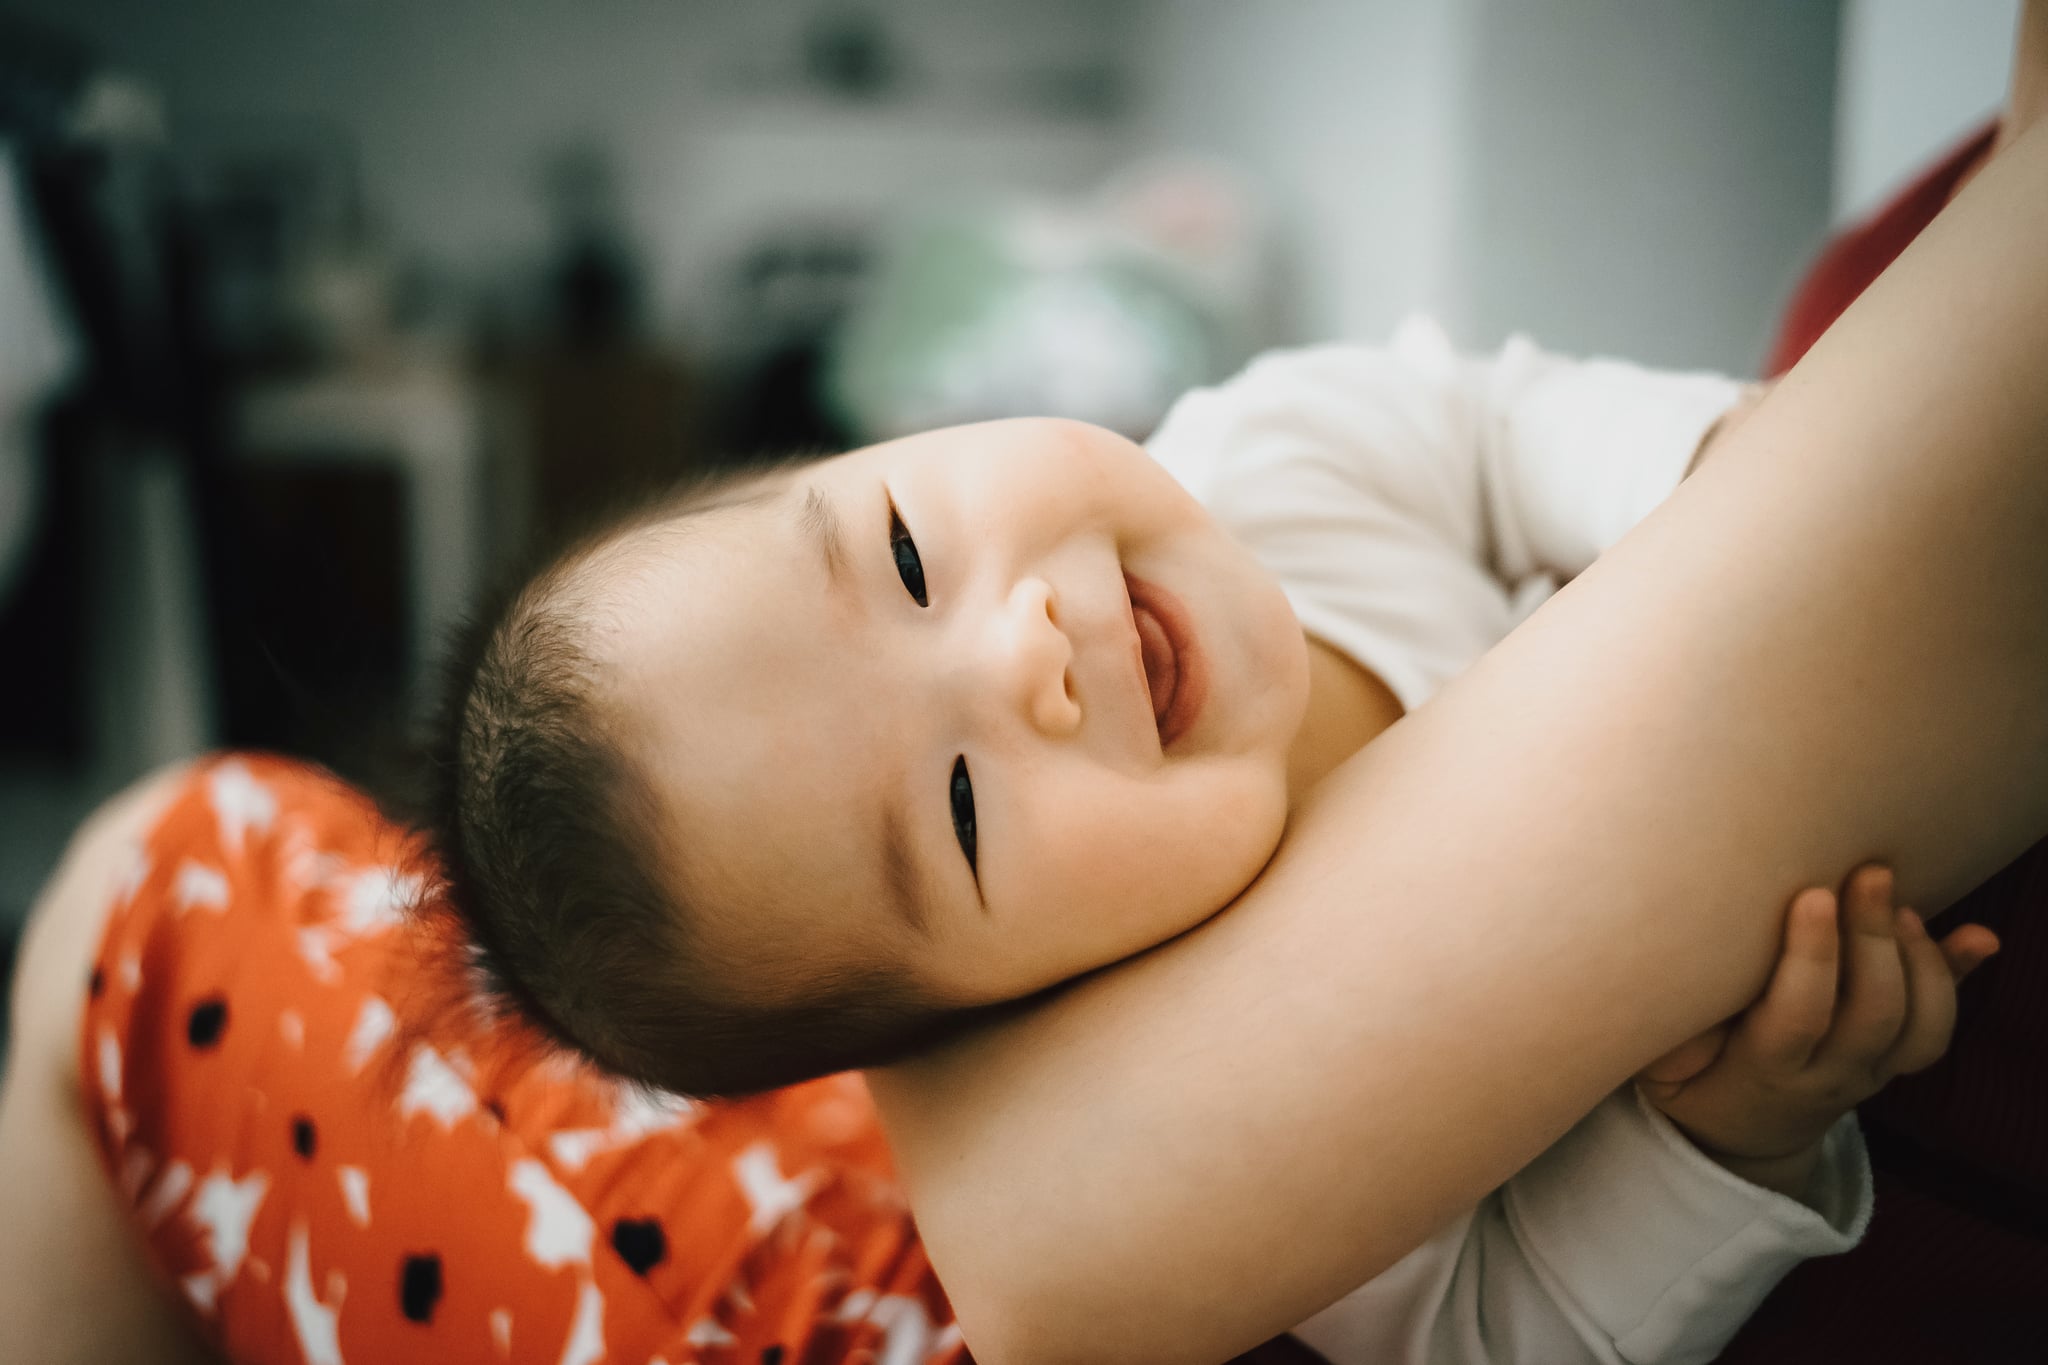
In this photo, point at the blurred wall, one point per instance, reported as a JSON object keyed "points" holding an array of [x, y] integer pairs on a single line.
{"points": [[454, 107], [1641, 179], [1646, 180], [1915, 78], [1349, 114], [1630, 178]]}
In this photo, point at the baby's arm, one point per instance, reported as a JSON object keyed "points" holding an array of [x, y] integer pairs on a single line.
{"points": [[1621, 1243], [1654, 1228], [1843, 1014], [1412, 500], [1575, 452]]}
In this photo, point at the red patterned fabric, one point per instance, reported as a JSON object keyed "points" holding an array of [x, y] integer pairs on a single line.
{"points": [[1954, 1270], [331, 1168]]}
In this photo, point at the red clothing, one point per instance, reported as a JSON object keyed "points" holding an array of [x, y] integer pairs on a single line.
{"points": [[1954, 1268], [1851, 261], [331, 1168]]}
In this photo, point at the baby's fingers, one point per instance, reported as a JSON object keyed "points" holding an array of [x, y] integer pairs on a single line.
{"points": [[1687, 1060], [1967, 947], [1873, 1005], [1791, 1018], [1933, 971], [1931, 999]]}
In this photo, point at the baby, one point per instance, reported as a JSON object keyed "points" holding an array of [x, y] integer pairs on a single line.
{"points": [[806, 768]]}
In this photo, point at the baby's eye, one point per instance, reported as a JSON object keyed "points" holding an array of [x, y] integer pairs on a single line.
{"points": [[963, 812], [909, 567]]}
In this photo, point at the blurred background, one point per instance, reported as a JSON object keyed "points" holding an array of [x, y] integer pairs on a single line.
{"points": [[316, 315]]}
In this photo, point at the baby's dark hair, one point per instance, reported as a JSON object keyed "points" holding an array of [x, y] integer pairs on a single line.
{"points": [[554, 855]]}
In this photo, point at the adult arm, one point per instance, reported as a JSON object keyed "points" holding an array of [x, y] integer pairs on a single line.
{"points": [[2026, 100], [1403, 492], [1569, 862]]}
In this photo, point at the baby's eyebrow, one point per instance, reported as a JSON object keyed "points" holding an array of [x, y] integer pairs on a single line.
{"points": [[819, 521]]}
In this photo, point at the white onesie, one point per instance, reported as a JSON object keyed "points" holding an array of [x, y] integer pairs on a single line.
{"points": [[1416, 505]]}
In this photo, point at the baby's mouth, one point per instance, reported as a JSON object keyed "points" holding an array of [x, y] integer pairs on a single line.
{"points": [[1162, 665], [1170, 656]]}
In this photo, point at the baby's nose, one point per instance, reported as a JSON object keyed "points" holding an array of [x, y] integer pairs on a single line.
{"points": [[1034, 659]]}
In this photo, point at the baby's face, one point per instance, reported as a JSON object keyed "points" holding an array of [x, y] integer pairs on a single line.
{"points": [[1001, 703]]}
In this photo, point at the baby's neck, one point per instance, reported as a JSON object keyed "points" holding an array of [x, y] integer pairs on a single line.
{"points": [[1347, 706]]}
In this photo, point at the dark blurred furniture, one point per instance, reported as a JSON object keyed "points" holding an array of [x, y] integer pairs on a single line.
{"points": [[592, 427], [222, 562], [359, 496], [100, 190]]}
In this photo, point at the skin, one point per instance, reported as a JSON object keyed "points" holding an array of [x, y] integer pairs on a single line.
{"points": [[782, 708], [1861, 993], [74, 1283], [2027, 99]]}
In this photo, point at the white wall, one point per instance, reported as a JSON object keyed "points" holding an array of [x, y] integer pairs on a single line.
{"points": [[1644, 179], [1346, 113], [1917, 75]]}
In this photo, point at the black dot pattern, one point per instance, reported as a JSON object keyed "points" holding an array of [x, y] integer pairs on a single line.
{"points": [[209, 1019], [419, 1287], [640, 1242], [771, 1355], [97, 983], [305, 1140]]}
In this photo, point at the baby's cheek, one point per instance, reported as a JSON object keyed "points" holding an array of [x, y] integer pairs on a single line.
{"points": [[1257, 819], [1116, 865], [1205, 847]]}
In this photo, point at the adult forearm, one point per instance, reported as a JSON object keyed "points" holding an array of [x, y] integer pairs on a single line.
{"points": [[2027, 94], [1830, 646]]}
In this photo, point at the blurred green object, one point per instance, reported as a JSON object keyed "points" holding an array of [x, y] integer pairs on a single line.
{"points": [[1023, 309]]}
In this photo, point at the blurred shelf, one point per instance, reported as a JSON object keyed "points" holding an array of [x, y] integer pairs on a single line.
{"points": [[426, 421]]}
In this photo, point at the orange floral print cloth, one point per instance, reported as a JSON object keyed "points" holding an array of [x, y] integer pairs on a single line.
{"points": [[331, 1169]]}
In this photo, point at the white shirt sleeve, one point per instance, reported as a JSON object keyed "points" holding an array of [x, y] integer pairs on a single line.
{"points": [[1621, 1243], [1416, 504]]}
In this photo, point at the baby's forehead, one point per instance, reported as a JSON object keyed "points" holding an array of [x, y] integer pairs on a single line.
{"points": [[676, 614], [662, 551]]}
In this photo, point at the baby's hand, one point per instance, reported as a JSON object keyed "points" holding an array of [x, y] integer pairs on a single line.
{"points": [[1831, 1029]]}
